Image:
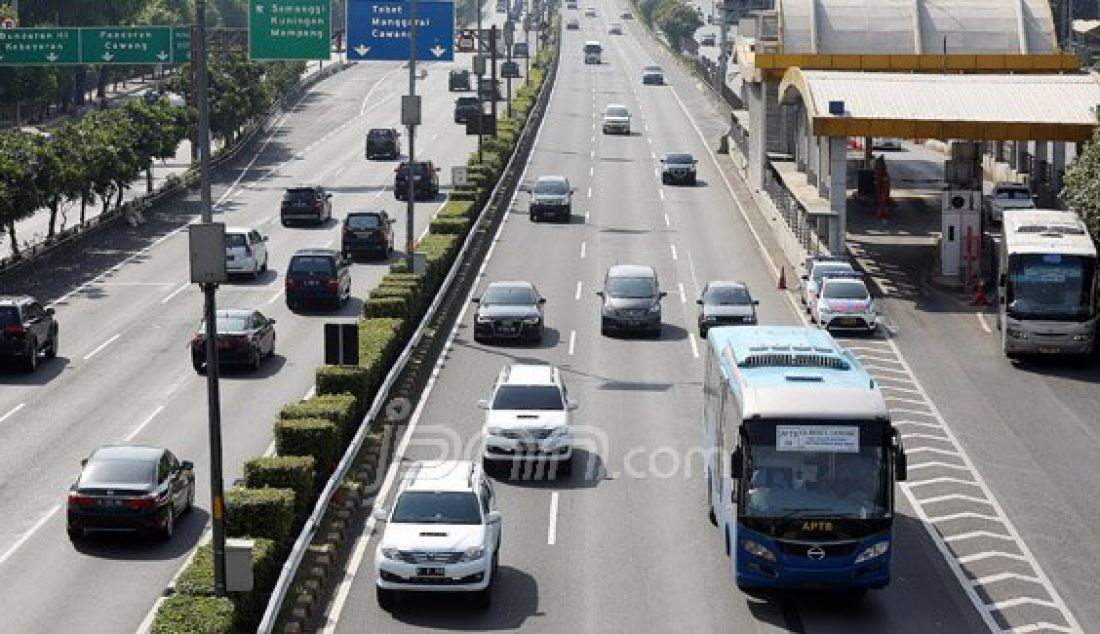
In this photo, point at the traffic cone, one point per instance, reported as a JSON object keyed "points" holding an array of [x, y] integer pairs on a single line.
{"points": [[979, 294], [782, 278]]}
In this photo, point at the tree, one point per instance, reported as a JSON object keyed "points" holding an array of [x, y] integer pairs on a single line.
{"points": [[20, 195], [1081, 189], [677, 21], [159, 132], [646, 8], [66, 180]]}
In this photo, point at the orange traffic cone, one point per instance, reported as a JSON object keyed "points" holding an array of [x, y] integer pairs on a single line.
{"points": [[782, 278], [979, 294]]}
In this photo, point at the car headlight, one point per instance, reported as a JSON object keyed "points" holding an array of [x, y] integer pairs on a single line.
{"points": [[875, 550], [473, 553], [751, 319], [656, 308], [481, 319], [1016, 333], [531, 320], [757, 550], [389, 552], [609, 312]]}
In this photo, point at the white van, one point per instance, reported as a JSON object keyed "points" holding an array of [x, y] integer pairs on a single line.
{"points": [[592, 52]]}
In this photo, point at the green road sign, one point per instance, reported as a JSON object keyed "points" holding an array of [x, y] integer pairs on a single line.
{"points": [[39, 47], [289, 29], [181, 44], [126, 45]]}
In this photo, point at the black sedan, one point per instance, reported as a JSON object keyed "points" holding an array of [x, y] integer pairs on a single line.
{"points": [[245, 337], [509, 310], [130, 489]]}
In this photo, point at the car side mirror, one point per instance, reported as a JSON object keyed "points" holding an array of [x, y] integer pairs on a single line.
{"points": [[542, 300], [328, 195], [756, 302], [663, 294], [599, 293], [271, 321], [263, 238], [83, 462], [694, 161], [187, 465], [804, 277], [699, 301], [475, 300], [483, 404], [49, 311], [737, 463], [380, 514], [493, 517]]}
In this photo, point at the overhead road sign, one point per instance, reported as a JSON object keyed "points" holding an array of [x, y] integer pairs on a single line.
{"points": [[289, 30], [126, 45], [379, 30], [39, 47], [181, 44]]}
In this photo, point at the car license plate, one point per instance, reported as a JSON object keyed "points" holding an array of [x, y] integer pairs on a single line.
{"points": [[362, 234], [1049, 350], [429, 572], [506, 330], [312, 283], [528, 447]]}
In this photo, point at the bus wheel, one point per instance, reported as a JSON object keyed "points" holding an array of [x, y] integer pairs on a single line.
{"points": [[710, 503], [728, 542]]}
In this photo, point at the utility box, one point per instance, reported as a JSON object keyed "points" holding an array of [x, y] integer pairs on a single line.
{"points": [[238, 564], [206, 247], [342, 344], [410, 109]]}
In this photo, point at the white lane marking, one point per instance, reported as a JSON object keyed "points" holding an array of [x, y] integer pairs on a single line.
{"points": [[572, 341], [661, 193], [583, 246], [981, 321], [180, 289], [363, 106], [589, 195], [668, 223], [653, 155], [576, 296], [149, 419], [683, 295], [355, 562], [12, 411], [673, 248], [650, 140], [592, 154], [30, 533], [593, 138], [591, 170], [691, 268], [275, 298], [101, 347], [381, 190], [552, 527], [694, 347], [586, 212]]}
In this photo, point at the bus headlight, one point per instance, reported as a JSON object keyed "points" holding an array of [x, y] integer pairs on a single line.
{"points": [[875, 550], [756, 550]]}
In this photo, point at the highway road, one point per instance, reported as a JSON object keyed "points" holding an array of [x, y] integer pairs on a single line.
{"points": [[624, 544], [127, 312]]}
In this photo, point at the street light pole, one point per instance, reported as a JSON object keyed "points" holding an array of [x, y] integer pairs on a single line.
{"points": [[480, 68], [213, 398], [410, 255]]}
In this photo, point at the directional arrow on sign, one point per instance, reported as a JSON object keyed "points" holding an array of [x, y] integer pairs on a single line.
{"points": [[259, 8], [362, 50], [162, 56], [438, 50], [52, 57], [108, 56]]}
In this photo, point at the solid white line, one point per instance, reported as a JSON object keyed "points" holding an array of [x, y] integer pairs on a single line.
{"points": [[552, 528], [30, 533], [668, 223], [673, 248], [275, 298], [572, 341], [981, 321], [661, 193], [182, 287], [589, 192], [583, 246], [101, 347], [694, 347], [989, 555], [363, 106], [137, 430], [577, 296], [12, 412], [683, 295]]}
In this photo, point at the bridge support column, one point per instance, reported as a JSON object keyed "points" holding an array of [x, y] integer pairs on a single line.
{"points": [[837, 192]]}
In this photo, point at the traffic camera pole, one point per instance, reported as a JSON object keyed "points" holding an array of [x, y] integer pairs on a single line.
{"points": [[493, 73], [508, 80], [410, 255], [480, 72], [210, 312]]}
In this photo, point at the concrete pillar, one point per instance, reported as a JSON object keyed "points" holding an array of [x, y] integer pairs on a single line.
{"points": [[757, 131], [1057, 166], [803, 139], [823, 166], [813, 161], [838, 192], [1020, 149]]}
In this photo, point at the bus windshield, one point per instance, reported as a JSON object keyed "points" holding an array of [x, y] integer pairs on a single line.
{"points": [[1050, 286], [824, 471]]}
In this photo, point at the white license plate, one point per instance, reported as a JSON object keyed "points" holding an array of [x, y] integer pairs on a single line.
{"points": [[429, 572]]}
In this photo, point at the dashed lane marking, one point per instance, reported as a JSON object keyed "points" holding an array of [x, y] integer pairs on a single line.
{"points": [[577, 296], [12, 412]]}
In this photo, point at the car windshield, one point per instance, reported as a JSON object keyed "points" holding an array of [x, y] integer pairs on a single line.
{"points": [[532, 397], [1015, 193], [592, 48], [436, 507], [782, 483], [9, 315], [728, 296], [652, 69], [230, 323], [616, 111], [466, 101], [118, 472], [552, 186], [509, 296], [299, 193], [822, 270], [678, 159], [311, 264], [380, 135], [632, 287], [233, 240], [845, 290], [1050, 286], [364, 221]]}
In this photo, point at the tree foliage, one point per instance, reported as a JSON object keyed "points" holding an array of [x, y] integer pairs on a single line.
{"points": [[1081, 190], [677, 21]]}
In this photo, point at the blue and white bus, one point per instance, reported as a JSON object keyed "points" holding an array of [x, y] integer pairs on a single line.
{"points": [[801, 460]]}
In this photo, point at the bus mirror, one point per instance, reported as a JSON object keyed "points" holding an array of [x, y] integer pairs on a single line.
{"points": [[736, 463], [901, 465], [1001, 280]]}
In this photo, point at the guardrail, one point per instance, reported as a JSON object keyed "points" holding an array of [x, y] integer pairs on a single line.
{"points": [[500, 195]]}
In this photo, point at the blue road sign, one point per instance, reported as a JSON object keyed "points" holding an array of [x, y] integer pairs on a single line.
{"points": [[379, 29]]}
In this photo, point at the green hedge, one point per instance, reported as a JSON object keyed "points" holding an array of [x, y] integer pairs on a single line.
{"points": [[449, 226], [284, 472], [338, 408], [379, 343], [455, 208], [386, 307], [182, 614], [346, 379], [439, 251], [265, 513], [315, 437], [196, 581]]}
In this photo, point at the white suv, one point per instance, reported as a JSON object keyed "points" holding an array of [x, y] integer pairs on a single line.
{"points": [[245, 251], [528, 419], [443, 534]]}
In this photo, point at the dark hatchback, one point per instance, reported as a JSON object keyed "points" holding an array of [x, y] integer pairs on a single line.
{"points": [[367, 233], [317, 276], [130, 489], [458, 80], [725, 304], [425, 180], [26, 329], [509, 310], [245, 337], [382, 144], [466, 109], [309, 204]]}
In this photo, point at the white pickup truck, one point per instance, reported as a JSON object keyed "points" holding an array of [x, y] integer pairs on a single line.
{"points": [[1007, 196]]}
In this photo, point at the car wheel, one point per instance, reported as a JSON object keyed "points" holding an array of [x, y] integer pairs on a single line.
{"points": [[263, 269], [199, 366], [387, 599], [692, 181], [75, 534], [51, 347], [496, 560], [169, 527], [702, 333], [254, 365], [30, 364], [664, 179], [256, 271], [285, 223], [190, 499], [484, 598]]}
